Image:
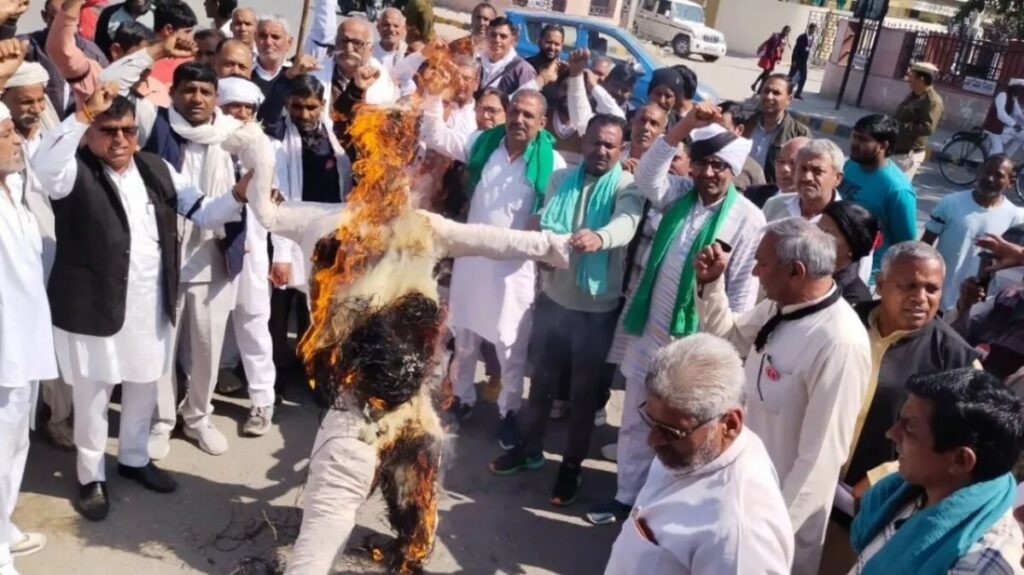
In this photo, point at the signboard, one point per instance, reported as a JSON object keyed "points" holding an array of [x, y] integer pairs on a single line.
{"points": [[860, 61], [978, 85]]}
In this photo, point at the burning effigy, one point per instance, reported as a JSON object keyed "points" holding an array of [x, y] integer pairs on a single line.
{"points": [[376, 325]]}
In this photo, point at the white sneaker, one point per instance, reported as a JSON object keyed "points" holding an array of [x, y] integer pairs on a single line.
{"points": [[559, 408], [601, 417], [610, 451], [61, 434], [159, 444], [210, 439], [31, 543], [260, 419], [8, 569]]}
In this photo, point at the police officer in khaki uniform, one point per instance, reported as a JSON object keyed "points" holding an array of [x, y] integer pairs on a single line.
{"points": [[918, 115]]}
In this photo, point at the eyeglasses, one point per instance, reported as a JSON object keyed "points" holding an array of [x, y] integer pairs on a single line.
{"points": [[113, 131], [357, 44], [670, 432], [717, 166], [489, 111]]}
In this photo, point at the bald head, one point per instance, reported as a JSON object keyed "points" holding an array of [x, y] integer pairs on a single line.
{"points": [[234, 58], [785, 164], [353, 45], [391, 29]]}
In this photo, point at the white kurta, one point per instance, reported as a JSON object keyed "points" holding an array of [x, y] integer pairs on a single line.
{"points": [[490, 298], [141, 350], [804, 391], [26, 339], [726, 518]]}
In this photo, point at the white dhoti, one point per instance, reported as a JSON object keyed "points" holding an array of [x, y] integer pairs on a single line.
{"points": [[341, 473], [57, 396], [633, 455], [251, 316], [92, 398], [15, 413], [512, 359]]}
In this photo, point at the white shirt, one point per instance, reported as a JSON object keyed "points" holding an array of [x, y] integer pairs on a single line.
{"points": [[804, 392], [389, 59], [141, 350], [489, 297], [463, 119], [725, 518], [265, 74], [26, 337]]}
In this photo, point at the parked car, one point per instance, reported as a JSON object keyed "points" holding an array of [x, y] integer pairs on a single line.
{"points": [[602, 38], [680, 24]]}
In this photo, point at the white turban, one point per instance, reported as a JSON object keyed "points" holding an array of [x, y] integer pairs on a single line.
{"points": [[1016, 82], [5, 113], [28, 74], [715, 140], [235, 90]]}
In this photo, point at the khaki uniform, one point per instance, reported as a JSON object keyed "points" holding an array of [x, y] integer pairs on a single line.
{"points": [[918, 116]]}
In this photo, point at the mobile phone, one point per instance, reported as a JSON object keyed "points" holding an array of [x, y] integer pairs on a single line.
{"points": [[726, 246], [985, 262]]}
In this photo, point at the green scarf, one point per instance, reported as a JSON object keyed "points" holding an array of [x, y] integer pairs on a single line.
{"points": [[539, 157], [684, 316], [560, 215]]}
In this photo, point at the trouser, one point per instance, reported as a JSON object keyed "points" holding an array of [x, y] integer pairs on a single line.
{"points": [[92, 401], [256, 349], [341, 474], [761, 78], [512, 359], [633, 455], [15, 414], [282, 302], [910, 162], [57, 396], [798, 67], [205, 308], [1008, 142], [571, 343]]}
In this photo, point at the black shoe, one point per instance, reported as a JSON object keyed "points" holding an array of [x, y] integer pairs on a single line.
{"points": [[508, 432], [799, 96], [608, 512], [151, 477], [567, 486], [457, 411], [515, 461], [93, 503]]}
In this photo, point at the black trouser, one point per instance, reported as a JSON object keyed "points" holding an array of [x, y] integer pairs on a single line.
{"points": [[574, 343], [798, 67], [282, 302], [760, 79]]}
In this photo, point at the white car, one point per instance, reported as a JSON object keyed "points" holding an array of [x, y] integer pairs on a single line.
{"points": [[680, 24]]}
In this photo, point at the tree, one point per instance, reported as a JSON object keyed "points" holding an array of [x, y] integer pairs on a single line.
{"points": [[1007, 16]]}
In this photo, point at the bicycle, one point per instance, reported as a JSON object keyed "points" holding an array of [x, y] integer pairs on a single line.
{"points": [[962, 156]]}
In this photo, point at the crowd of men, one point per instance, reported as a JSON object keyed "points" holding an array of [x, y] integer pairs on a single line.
{"points": [[809, 384]]}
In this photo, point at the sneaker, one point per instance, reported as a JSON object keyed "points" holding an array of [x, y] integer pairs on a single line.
{"points": [[559, 409], [515, 461], [260, 418], [29, 544], [608, 512], [610, 451], [210, 439], [508, 431], [61, 434], [567, 486], [159, 444], [457, 411], [600, 417]]}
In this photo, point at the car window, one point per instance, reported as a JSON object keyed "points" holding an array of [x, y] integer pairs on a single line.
{"points": [[688, 13], [606, 45], [533, 28]]}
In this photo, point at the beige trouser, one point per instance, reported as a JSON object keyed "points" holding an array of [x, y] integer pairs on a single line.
{"points": [[910, 162]]}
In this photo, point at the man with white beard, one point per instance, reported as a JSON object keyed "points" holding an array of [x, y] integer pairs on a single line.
{"points": [[26, 336]]}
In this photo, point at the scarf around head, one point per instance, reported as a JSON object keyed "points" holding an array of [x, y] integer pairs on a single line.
{"points": [[684, 320], [539, 156], [560, 214], [932, 539]]}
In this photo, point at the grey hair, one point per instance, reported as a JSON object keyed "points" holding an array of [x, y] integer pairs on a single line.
{"points": [[277, 19], [911, 250], [700, 375], [822, 147], [466, 61], [391, 9], [242, 8], [536, 95], [602, 58], [801, 241]]}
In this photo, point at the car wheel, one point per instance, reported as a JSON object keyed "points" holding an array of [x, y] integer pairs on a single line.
{"points": [[681, 45], [709, 57]]}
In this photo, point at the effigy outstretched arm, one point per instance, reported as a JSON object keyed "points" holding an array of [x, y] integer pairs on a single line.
{"points": [[454, 239]]}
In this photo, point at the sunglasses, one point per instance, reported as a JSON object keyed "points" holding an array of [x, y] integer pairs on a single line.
{"points": [[717, 166], [672, 433], [113, 131]]}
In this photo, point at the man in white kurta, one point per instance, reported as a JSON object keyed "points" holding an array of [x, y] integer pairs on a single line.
{"points": [[740, 228], [711, 503], [491, 300], [26, 337], [140, 352], [808, 361]]}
